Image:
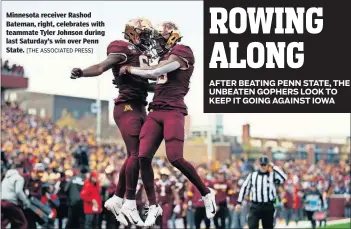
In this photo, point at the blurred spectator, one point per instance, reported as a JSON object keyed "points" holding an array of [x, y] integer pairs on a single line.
{"points": [[50, 199], [14, 70], [287, 200], [62, 196], [73, 188], [12, 191], [92, 203], [348, 207], [111, 222], [33, 188], [196, 202], [61, 156], [223, 190]]}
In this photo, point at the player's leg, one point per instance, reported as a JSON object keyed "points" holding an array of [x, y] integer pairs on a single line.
{"points": [[118, 115], [150, 139], [129, 122], [151, 136], [174, 138], [134, 124]]}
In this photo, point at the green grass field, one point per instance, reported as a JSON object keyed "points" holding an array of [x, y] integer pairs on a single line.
{"points": [[338, 226]]}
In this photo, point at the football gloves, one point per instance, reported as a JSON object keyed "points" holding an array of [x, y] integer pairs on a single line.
{"points": [[76, 73]]}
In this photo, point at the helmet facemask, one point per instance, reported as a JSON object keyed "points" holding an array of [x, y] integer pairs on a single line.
{"points": [[138, 37], [165, 37]]}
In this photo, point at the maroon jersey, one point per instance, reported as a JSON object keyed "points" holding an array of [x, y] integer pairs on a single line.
{"points": [[131, 87], [233, 198], [34, 186], [164, 191], [172, 87], [180, 187], [194, 195], [222, 191]]}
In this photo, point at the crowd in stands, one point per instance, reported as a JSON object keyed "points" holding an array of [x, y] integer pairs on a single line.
{"points": [[14, 70], [53, 158]]}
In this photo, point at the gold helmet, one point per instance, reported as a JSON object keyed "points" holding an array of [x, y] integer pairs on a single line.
{"points": [[166, 36], [138, 32]]}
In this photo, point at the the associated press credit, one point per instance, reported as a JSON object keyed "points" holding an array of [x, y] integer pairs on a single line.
{"points": [[52, 32]]}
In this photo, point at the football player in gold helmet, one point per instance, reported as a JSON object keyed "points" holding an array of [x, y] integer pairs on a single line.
{"points": [[166, 117], [129, 111]]}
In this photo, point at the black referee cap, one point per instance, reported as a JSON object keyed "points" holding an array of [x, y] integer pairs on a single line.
{"points": [[264, 160]]}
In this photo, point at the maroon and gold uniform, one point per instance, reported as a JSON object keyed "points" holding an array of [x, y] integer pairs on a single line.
{"points": [[171, 88], [129, 111], [167, 110], [223, 190], [131, 87], [164, 190]]}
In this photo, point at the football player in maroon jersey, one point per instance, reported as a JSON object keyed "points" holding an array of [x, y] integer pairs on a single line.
{"points": [[223, 192], [129, 111], [194, 201], [166, 117], [166, 196]]}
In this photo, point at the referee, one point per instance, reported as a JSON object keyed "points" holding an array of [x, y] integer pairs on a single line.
{"points": [[260, 185]]}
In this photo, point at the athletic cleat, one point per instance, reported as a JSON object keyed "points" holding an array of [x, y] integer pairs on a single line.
{"points": [[210, 204], [132, 215], [153, 212], [115, 206]]}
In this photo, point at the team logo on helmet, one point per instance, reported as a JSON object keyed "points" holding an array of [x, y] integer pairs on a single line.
{"points": [[138, 32], [169, 32]]}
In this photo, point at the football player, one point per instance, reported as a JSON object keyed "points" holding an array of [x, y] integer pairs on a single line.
{"points": [[166, 196], [223, 191], [129, 111], [166, 117]]}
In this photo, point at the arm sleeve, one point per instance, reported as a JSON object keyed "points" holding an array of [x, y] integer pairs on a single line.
{"points": [[19, 190], [245, 189], [157, 71], [279, 175]]}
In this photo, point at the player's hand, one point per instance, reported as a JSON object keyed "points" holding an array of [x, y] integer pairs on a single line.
{"points": [[238, 208], [124, 70], [76, 73]]}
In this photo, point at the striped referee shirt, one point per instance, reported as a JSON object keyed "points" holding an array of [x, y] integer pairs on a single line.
{"points": [[261, 186]]}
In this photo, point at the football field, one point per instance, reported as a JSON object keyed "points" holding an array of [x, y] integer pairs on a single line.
{"points": [[338, 226], [331, 224]]}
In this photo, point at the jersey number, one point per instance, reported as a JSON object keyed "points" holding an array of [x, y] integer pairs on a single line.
{"points": [[144, 61]]}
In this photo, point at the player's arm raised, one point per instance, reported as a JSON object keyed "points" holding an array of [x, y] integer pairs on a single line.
{"points": [[152, 72], [98, 69]]}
